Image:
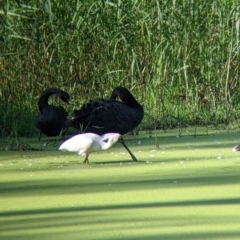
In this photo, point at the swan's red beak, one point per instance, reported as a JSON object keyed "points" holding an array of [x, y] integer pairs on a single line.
{"points": [[67, 103]]}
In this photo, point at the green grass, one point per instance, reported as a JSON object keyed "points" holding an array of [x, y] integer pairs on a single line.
{"points": [[186, 189], [178, 58]]}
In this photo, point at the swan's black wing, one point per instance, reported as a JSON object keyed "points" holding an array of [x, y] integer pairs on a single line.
{"points": [[104, 116]]}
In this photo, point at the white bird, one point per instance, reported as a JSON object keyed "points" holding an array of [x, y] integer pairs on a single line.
{"points": [[86, 143], [236, 148]]}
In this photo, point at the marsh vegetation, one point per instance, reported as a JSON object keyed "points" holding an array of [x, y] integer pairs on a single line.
{"points": [[179, 58]]}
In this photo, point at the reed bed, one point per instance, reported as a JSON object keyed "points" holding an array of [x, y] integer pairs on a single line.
{"points": [[179, 58]]}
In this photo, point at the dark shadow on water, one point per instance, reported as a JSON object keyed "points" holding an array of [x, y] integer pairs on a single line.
{"points": [[116, 162], [91, 184], [190, 203], [183, 236]]}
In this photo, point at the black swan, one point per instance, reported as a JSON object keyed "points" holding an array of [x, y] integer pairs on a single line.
{"points": [[109, 115], [51, 119]]}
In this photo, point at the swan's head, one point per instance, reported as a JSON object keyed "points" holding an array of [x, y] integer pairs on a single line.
{"points": [[64, 96]]}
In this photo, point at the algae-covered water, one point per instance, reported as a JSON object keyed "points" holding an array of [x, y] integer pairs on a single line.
{"points": [[183, 187]]}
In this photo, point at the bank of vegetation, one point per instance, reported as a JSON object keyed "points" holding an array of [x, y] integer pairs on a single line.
{"points": [[179, 58]]}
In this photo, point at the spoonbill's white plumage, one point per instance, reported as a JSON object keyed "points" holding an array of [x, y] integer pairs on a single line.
{"points": [[236, 148], [86, 143]]}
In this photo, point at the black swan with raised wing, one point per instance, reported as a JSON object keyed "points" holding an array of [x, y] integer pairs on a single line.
{"points": [[51, 119], [109, 115]]}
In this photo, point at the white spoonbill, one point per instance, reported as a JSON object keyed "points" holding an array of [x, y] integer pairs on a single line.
{"points": [[86, 143], [236, 148]]}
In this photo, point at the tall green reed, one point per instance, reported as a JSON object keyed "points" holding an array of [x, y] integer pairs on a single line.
{"points": [[180, 58]]}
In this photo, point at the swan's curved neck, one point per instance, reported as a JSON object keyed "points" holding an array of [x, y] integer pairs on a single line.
{"points": [[125, 96], [43, 100]]}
